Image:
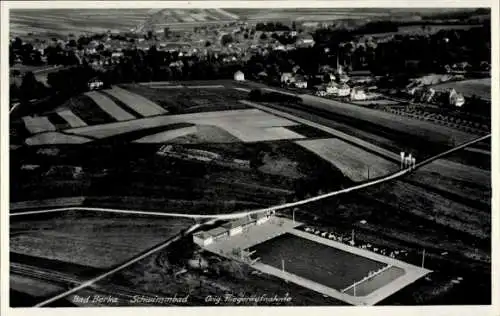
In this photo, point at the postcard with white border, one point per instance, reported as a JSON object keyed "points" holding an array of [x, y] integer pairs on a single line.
{"points": [[248, 157]]}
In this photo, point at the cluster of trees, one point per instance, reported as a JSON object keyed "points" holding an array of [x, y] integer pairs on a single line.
{"points": [[433, 53], [30, 88], [71, 81], [56, 55], [226, 39], [25, 52], [272, 27], [284, 39]]}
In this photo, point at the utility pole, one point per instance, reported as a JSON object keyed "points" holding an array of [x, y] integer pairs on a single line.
{"points": [[354, 288], [368, 172], [352, 236], [423, 258], [293, 215], [283, 267]]}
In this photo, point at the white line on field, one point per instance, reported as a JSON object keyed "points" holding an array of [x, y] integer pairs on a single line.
{"points": [[243, 89], [15, 105]]}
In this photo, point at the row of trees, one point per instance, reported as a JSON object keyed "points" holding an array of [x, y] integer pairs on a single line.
{"points": [[273, 27]]}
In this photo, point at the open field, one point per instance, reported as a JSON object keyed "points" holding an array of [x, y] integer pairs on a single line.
{"points": [[76, 21], [478, 87], [189, 98], [417, 30], [364, 12], [55, 138], [397, 123], [36, 288], [115, 20], [473, 124], [168, 135], [464, 182], [49, 203], [206, 134], [353, 161], [250, 134], [272, 171], [250, 120], [310, 14], [94, 240], [185, 18], [433, 206]]}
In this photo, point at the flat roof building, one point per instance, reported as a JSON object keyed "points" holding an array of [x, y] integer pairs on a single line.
{"points": [[230, 229], [202, 238]]}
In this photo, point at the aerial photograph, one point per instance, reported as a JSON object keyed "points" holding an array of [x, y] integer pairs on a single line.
{"points": [[250, 157]]}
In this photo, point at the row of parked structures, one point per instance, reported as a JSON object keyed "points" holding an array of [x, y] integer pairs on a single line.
{"points": [[350, 240]]}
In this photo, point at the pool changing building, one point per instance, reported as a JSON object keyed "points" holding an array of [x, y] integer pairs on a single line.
{"points": [[231, 228]]}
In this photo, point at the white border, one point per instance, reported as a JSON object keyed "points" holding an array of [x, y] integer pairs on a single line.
{"points": [[396, 310], [251, 4]]}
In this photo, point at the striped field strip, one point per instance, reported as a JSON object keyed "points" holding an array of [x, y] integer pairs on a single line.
{"points": [[109, 106], [137, 102], [71, 118], [205, 87], [38, 124], [167, 135]]}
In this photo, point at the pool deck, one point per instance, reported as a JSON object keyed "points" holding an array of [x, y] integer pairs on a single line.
{"points": [[279, 226]]}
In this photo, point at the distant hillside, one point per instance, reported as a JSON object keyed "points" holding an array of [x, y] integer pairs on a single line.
{"points": [[331, 14], [78, 21], [184, 17], [75, 21]]}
